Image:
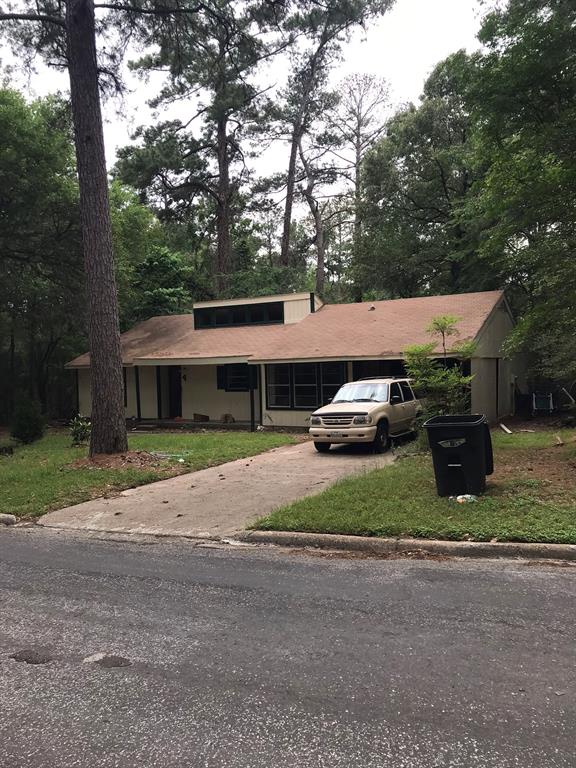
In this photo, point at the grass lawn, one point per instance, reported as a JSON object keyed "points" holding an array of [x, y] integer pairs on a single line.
{"points": [[50, 474], [530, 497]]}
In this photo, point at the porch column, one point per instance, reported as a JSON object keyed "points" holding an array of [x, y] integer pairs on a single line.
{"points": [[252, 379]]}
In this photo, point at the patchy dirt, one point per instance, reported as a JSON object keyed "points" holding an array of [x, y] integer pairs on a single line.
{"points": [[552, 468], [131, 459], [537, 424]]}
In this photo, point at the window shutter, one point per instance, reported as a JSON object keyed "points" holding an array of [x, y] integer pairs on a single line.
{"points": [[221, 377]]}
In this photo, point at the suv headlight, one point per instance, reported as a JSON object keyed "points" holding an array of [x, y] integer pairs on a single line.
{"points": [[366, 419], [315, 421]]}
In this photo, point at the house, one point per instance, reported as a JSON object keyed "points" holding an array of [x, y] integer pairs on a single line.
{"points": [[273, 360]]}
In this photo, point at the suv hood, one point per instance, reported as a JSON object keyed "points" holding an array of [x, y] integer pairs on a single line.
{"points": [[356, 408]]}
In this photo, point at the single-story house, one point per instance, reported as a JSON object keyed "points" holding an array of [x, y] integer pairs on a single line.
{"points": [[273, 360]]}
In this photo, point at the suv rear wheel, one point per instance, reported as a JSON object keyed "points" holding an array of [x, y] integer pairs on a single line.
{"points": [[382, 438], [322, 447]]}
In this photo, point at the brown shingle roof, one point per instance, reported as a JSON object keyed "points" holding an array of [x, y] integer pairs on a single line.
{"points": [[348, 331], [337, 331], [173, 337]]}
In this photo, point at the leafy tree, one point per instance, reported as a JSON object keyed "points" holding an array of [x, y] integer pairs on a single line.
{"points": [[358, 121], [523, 102], [209, 65], [441, 383], [41, 292], [323, 28], [42, 297], [136, 232], [65, 35], [416, 181], [160, 285]]}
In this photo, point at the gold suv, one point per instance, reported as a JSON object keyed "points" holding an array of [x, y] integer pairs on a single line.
{"points": [[366, 411]]}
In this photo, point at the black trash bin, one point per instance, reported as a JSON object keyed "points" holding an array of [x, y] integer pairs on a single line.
{"points": [[461, 448]]}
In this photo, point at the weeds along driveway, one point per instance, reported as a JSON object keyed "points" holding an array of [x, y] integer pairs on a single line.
{"points": [[221, 500]]}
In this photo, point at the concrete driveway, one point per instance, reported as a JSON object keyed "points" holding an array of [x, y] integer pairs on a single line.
{"points": [[222, 500]]}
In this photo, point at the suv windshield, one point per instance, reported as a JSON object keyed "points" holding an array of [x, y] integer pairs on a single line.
{"points": [[362, 392]]}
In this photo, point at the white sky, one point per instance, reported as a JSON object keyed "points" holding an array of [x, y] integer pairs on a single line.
{"points": [[402, 47]]}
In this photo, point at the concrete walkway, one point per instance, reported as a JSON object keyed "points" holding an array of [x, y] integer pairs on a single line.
{"points": [[219, 501]]}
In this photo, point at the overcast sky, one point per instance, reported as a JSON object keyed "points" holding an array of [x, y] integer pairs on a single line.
{"points": [[402, 47]]}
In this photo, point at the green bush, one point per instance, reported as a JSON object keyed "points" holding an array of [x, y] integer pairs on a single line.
{"points": [[80, 429], [442, 388], [28, 422]]}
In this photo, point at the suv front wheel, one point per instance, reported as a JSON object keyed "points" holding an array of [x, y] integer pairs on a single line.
{"points": [[322, 447], [382, 438]]}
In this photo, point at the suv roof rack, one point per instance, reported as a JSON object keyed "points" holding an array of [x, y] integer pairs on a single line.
{"points": [[375, 378]]}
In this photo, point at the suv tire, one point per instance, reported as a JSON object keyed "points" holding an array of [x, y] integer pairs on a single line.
{"points": [[382, 438], [322, 447]]}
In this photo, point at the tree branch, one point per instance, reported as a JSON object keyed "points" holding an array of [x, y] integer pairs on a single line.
{"points": [[159, 11], [33, 17]]}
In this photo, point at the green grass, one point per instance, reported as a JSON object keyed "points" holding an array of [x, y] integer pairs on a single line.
{"points": [[39, 477], [521, 504]]}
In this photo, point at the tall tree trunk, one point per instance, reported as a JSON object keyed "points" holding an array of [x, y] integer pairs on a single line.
{"points": [[223, 214], [298, 131], [357, 290], [108, 417], [290, 187], [12, 358], [319, 240], [357, 191], [32, 393], [320, 251]]}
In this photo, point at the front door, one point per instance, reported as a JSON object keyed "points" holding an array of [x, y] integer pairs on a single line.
{"points": [[174, 391]]}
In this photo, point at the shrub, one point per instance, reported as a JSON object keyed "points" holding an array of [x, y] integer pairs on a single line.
{"points": [[443, 388], [28, 423], [80, 428]]}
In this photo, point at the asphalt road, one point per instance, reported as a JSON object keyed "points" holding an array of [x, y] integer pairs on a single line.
{"points": [[251, 658]]}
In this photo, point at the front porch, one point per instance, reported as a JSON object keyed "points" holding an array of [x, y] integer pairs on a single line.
{"points": [[212, 395]]}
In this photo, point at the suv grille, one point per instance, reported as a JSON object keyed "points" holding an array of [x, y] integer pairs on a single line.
{"points": [[340, 420]]}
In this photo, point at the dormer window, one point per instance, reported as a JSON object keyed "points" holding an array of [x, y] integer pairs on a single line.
{"points": [[267, 313]]}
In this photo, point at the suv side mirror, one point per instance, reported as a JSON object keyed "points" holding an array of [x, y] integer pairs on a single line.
{"points": [[329, 400], [395, 399]]}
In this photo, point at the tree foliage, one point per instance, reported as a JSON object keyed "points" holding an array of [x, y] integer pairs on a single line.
{"points": [[441, 383], [523, 102], [416, 181]]}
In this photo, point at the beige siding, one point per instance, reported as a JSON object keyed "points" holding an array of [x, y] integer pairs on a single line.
{"points": [[201, 395], [84, 393], [85, 396], [274, 418], [484, 387], [131, 407], [296, 310], [494, 333], [148, 393]]}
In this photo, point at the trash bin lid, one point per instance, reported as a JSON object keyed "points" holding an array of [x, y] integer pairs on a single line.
{"points": [[456, 420]]}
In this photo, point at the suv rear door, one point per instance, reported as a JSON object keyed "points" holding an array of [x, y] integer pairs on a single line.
{"points": [[410, 404], [398, 417]]}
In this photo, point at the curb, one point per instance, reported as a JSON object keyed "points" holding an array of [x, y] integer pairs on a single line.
{"points": [[373, 545]]}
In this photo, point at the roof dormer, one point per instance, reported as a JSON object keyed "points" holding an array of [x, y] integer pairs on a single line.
{"points": [[262, 310]]}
